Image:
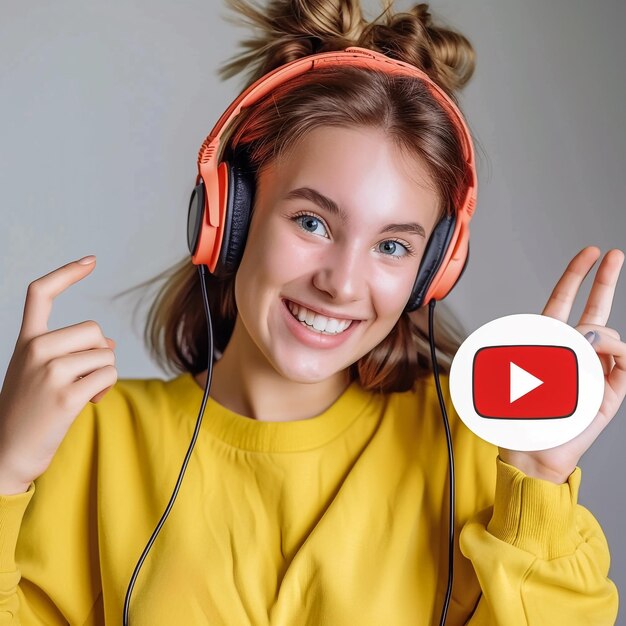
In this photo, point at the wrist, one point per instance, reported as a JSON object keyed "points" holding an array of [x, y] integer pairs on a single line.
{"points": [[533, 469], [12, 489], [557, 479], [10, 485]]}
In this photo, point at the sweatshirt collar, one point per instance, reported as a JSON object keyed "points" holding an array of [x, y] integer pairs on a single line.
{"points": [[250, 434]]}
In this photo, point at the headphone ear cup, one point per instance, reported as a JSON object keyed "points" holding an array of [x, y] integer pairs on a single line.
{"points": [[464, 264], [239, 199], [432, 259]]}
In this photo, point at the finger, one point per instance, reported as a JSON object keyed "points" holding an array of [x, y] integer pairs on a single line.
{"points": [[606, 359], [616, 380], [605, 330], [608, 362], [42, 292], [98, 382], [100, 395], [561, 299], [598, 307], [78, 365], [78, 337]]}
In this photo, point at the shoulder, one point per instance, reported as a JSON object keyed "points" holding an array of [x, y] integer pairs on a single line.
{"points": [[132, 407], [426, 398], [419, 412], [136, 421], [424, 402]]}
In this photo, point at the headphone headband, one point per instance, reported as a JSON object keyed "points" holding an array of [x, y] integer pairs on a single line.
{"points": [[354, 55]]}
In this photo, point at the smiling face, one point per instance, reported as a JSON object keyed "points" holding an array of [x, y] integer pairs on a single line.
{"points": [[338, 231]]}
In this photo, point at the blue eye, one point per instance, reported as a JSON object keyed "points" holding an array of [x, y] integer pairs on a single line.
{"points": [[390, 246], [310, 223]]}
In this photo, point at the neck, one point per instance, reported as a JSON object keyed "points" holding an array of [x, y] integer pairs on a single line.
{"points": [[244, 381]]}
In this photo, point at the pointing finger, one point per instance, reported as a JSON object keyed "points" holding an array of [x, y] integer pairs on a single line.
{"points": [[42, 292]]}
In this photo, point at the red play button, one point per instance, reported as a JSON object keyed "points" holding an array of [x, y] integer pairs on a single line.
{"points": [[525, 382]]}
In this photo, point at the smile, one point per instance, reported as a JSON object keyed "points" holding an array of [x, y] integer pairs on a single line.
{"points": [[316, 322]]}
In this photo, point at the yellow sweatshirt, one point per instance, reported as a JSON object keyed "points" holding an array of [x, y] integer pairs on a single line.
{"points": [[337, 520]]}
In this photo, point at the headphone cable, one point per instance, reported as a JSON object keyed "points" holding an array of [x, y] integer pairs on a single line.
{"points": [[431, 336], [202, 271]]}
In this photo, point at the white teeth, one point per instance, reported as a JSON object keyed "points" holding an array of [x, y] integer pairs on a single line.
{"points": [[315, 321], [332, 326], [319, 322]]}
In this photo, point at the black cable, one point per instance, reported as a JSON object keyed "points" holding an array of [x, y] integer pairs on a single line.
{"points": [[431, 336], [205, 300]]}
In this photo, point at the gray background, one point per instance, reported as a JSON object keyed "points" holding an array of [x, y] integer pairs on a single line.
{"points": [[104, 107]]}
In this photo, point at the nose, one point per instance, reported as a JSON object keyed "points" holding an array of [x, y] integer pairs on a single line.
{"points": [[341, 273]]}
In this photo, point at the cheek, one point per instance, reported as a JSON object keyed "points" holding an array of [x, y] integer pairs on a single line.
{"points": [[390, 292], [271, 259]]}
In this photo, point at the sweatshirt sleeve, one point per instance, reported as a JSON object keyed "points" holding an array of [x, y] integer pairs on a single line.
{"points": [[12, 510], [540, 557], [49, 569]]}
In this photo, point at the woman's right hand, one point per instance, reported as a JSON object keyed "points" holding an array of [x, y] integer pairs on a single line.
{"points": [[50, 378]]}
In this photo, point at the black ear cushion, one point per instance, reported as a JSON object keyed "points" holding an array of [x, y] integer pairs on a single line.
{"points": [[431, 261], [241, 184]]}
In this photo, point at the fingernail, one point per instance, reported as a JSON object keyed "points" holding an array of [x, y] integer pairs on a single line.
{"points": [[86, 260], [591, 336]]}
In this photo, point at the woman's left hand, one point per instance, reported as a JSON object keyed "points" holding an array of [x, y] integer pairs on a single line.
{"points": [[556, 464]]}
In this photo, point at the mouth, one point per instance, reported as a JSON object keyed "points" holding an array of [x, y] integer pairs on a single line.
{"points": [[316, 322]]}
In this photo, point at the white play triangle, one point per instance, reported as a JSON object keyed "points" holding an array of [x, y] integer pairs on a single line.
{"points": [[521, 382]]}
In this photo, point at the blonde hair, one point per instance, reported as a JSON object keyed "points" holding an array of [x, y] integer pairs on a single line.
{"points": [[176, 330]]}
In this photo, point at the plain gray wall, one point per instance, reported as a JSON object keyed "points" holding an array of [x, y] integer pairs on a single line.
{"points": [[104, 107]]}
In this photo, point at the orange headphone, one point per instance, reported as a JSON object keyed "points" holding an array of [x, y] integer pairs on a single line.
{"points": [[221, 202]]}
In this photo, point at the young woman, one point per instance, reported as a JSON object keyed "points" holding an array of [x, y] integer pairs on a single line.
{"points": [[317, 492]]}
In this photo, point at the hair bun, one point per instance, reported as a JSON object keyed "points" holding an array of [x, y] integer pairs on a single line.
{"points": [[445, 55], [292, 29]]}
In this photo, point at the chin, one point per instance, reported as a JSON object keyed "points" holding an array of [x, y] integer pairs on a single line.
{"points": [[304, 371]]}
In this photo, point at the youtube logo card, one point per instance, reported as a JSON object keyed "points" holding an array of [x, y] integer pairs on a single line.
{"points": [[526, 382]]}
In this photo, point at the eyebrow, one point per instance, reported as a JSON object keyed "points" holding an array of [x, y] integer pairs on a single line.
{"points": [[306, 193]]}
